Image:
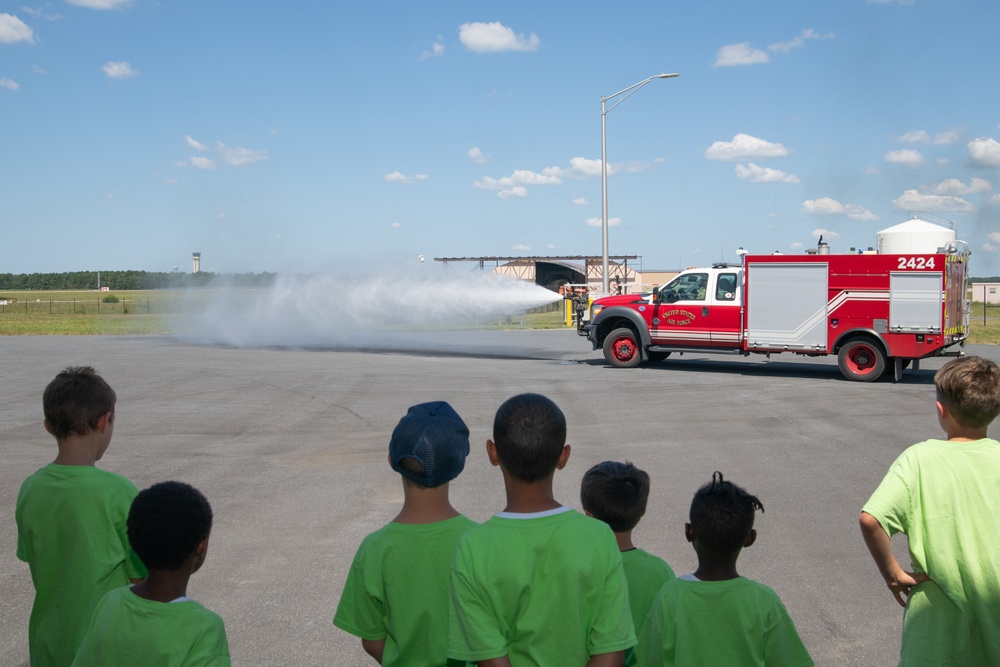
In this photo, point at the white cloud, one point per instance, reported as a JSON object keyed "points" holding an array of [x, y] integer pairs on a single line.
{"points": [[170, 181], [436, 51], [995, 200], [828, 206], [513, 192], [239, 157], [395, 225], [400, 177], [953, 186], [913, 200], [520, 247], [990, 248], [984, 152], [201, 162], [100, 4], [476, 155], [915, 137], [758, 174], [994, 236], [947, 137], [13, 30], [943, 161], [580, 167], [581, 201], [733, 55], [9, 84], [744, 147], [599, 222], [906, 157], [119, 70], [195, 144], [797, 42], [825, 233], [494, 38], [795, 245]]}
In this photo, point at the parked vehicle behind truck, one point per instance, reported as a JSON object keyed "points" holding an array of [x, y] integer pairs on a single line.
{"points": [[874, 311]]}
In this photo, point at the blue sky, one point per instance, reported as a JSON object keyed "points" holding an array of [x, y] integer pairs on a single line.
{"points": [[324, 135]]}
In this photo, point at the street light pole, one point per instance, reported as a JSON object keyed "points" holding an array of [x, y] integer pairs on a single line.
{"points": [[604, 169]]}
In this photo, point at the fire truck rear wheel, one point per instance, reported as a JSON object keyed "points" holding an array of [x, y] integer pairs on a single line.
{"points": [[656, 357], [861, 360], [621, 349]]}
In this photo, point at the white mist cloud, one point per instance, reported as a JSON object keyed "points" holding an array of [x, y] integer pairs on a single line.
{"points": [[119, 70], [436, 51], [797, 42], [13, 30], [9, 84], [825, 233], [520, 247], [744, 53], [580, 201], [757, 174], [494, 38], [745, 147], [392, 311], [201, 162]]}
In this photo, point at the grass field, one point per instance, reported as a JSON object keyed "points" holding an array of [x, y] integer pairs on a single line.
{"points": [[151, 312]]}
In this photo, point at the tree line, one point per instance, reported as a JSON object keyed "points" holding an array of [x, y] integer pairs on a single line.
{"points": [[131, 280]]}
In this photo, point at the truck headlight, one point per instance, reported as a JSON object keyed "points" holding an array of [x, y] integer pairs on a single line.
{"points": [[595, 309]]}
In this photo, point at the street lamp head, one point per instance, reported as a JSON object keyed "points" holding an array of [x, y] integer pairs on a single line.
{"points": [[666, 76]]}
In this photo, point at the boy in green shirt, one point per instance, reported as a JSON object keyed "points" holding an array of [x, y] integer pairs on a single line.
{"points": [[396, 595], [538, 584], [616, 493], [154, 622], [943, 495], [71, 518], [714, 616]]}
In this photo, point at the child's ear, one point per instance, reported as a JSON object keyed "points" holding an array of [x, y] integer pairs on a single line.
{"points": [[688, 533], [491, 452], [941, 409], [104, 421], [751, 538], [48, 428], [563, 458], [587, 512]]}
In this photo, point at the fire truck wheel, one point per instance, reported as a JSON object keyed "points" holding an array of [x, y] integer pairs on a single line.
{"points": [[861, 360], [656, 357], [621, 348]]}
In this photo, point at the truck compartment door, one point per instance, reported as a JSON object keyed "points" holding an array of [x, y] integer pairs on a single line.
{"points": [[787, 306], [915, 303]]}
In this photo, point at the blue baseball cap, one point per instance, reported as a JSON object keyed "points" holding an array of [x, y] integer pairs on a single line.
{"points": [[433, 435]]}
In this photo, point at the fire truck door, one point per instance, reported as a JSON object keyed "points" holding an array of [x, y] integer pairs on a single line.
{"points": [[681, 314], [725, 309]]}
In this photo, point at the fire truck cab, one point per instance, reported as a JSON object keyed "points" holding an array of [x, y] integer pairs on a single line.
{"points": [[871, 310]]}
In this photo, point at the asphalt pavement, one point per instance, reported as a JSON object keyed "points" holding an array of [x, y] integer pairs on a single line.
{"points": [[289, 445]]}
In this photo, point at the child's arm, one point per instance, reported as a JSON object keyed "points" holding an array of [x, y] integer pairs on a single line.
{"points": [[899, 580], [502, 661], [616, 659], [374, 647]]}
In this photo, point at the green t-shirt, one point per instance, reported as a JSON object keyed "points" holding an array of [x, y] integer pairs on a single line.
{"points": [[944, 497], [543, 589], [645, 575], [734, 622], [397, 590], [129, 630], [71, 532]]}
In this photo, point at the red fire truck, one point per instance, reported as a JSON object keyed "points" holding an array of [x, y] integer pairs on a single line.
{"points": [[871, 310]]}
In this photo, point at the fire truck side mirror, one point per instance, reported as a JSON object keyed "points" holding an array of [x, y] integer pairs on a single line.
{"points": [[656, 296]]}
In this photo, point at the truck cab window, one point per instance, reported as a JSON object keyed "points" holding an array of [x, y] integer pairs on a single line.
{"points": [[726, 287], [685, 287]]}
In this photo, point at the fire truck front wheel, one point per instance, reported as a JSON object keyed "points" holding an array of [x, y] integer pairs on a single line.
{"points": [[861, 360], [621, 349]]}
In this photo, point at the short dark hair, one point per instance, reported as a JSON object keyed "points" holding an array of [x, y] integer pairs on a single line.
{"points": [[529, 432], [970, 388], [76, 400], [166, 523], [722, 515], [616, 493]]}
